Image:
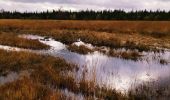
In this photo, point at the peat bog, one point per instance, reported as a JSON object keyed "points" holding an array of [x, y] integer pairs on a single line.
{"points": [[84, 60]]}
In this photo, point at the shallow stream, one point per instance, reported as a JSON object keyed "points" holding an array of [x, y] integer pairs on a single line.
{"points": [[112, 72]]}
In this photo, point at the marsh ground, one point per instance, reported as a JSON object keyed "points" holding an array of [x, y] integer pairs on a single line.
{"points": [[43, 76], [143, 35]]}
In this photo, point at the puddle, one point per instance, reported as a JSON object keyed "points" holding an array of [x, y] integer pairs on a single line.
{"points": [[8, 48], [112, 72], [12, 76]]}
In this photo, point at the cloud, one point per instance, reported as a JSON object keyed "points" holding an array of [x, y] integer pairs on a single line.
{"points": [[41, 5], [42, 1]]}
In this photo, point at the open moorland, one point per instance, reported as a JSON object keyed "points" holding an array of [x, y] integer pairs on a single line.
{"points": [[142, 35], [84, 60]]}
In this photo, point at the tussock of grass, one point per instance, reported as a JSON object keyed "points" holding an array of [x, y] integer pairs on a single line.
{"points": [[132, 55], [11, 39], [16, 61], [79, 49], [27, 89], [132, 45], [45, 72], [163, 62], [97, 39], [156, 34], [148, 91], [101, 39]]}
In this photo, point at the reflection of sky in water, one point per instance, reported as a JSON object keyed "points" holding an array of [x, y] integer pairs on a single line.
{"points": [[9, 78], [113, 72], [117, 72], [12, 76]]}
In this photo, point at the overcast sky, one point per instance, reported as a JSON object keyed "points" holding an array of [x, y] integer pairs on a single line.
{"points": [[43, 5]]}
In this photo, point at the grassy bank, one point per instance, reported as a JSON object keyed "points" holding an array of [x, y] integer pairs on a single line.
{"points": [[132, 55], [79, 49], [11, 39]]}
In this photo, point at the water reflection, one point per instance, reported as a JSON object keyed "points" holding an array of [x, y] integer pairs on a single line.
{"points": [[13, 76], [111, 71]]}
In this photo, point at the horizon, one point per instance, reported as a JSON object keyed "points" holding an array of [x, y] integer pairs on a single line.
{"points": [[73, 5], [62, 10]]}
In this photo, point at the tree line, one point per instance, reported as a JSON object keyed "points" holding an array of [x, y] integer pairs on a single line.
{"points": [[88, 15]]}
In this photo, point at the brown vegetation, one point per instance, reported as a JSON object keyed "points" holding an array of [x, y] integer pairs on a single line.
{"points": [[79, 49], [27, 89], [115, 34], [150, 91], [132, 55], [11, 39], [163, 62], [30, 87], [106, 26], [45, 77], [46, 80]]}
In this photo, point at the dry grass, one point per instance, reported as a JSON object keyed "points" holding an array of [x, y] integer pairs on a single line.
{"points": [[46, 80], [79, 49], [31, 88], [11, 39], [144, 34], [17, 61], [164, 62], [27, 89], [45, 76], [132, 55], [150, 91], [109, 26], [47, 72]]}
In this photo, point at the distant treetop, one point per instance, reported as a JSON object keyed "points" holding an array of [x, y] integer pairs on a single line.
{"points": [[88, 15]]}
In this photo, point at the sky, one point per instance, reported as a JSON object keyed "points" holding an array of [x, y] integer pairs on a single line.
{"points": [[76, 5]]}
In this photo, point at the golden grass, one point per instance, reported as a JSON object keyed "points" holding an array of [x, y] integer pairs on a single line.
{"points": [[79, 49], [114, 34], [27, 89], [47, 71], [11, 39], [47, 79], [46, 74], [150, 90], [17, 61], [132, 55], [111, 26], [31, 88]]}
